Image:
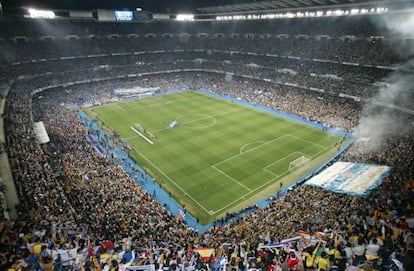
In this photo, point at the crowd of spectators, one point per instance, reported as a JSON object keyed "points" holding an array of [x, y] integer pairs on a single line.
{"points": [[81, 203], [323, 38], [339, 46], [330, 78], [82, 211], [306, 58]]}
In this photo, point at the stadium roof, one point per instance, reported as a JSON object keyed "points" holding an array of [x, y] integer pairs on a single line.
{"points": [[198, 6], [280, 5]]}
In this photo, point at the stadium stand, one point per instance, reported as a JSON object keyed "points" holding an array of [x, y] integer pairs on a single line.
{"points": [[79, 210]]}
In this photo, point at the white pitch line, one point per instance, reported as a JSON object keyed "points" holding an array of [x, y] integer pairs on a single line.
{"points": [[271, 173], [281, 159], [206, 117], [310, 142], [231, 178], [117, 105], [259, 187], [99, 117], [253, 142], [138, 107], [171, 180], [142, 135], [231, 203], [209, 116], [214, 166], [252, 191], [238, 199], [249, 150], [324, 149], [264, 184]]}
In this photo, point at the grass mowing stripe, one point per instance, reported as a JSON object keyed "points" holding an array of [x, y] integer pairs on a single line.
{"points": [[188, 160]]}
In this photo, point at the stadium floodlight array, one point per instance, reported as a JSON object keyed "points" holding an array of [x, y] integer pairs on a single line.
{"points": [[38, 13], [185, 17], [303, 14]]}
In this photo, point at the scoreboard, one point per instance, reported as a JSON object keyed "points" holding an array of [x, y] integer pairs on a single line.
{"points": [[122, 15]]}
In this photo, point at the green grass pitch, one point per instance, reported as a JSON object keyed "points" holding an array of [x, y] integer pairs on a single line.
{"points": [[222, 156]]}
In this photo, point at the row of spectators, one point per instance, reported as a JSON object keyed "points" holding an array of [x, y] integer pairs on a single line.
{"points": [[332, 78], [79, 209], [198, 51], [242, 58], [364, 50], [334, 26], [366, 45]]}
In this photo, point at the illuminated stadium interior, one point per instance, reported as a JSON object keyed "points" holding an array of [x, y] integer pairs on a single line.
{"points": [[107, 112]]}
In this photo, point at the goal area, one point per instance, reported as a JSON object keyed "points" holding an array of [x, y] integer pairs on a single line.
{"points": [[299, 162]]}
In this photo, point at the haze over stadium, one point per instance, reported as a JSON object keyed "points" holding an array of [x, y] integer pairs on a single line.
{"points": [[207, 135]]}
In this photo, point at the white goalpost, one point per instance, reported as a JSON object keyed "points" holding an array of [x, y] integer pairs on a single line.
{"points": [[300, 162]]}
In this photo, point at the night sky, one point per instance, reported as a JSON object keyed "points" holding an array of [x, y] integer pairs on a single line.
{"points": [[149, 5]]}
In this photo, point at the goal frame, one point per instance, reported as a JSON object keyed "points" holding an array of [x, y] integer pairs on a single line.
{"points": [[298, 163]]}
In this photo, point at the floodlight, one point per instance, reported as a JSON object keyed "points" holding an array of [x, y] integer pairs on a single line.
{"points": [[185, 17], [381, 10], [339, 12], [290, 15], [299, 14], [38, 13], [354, 11]]}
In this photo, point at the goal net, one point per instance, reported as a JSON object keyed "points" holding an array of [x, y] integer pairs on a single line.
{"points": [[298, 163]]}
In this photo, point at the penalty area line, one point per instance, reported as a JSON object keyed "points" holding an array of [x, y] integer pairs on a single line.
{"points": [[231, 178]]}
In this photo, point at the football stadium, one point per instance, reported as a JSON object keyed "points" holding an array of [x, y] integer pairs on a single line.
{"points": [[207, 135]]}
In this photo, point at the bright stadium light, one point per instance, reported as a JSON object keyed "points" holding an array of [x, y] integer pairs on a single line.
{"points": [[354, 11], [38, 13], [302, 14], [381, 10], [185, 17], [339, 12]]}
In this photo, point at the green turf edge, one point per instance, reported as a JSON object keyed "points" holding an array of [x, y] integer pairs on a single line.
{"points": [[189, 204]]}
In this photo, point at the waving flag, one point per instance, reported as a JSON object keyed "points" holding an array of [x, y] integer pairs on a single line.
{"points": [[205, 253]]}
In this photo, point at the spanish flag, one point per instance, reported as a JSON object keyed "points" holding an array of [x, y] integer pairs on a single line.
{"points": [[205, 252]]}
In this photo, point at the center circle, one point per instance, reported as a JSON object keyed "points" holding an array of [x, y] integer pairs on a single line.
{"points": [[196, 121]]}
